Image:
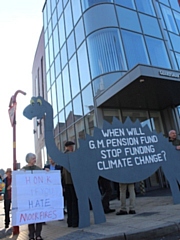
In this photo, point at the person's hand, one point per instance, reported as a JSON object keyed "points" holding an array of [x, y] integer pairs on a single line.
{"points": [[178, 147], [47, 169]]}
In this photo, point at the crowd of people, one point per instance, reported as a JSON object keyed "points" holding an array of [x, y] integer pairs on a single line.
{"points": [[70, 198]]}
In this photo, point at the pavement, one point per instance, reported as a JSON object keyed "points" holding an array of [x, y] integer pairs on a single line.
{"points": [[156, 216]]}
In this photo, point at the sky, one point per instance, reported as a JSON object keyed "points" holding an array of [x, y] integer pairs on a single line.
{"points": [[21, 22]]}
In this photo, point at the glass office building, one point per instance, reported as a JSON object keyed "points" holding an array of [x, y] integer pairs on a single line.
{"points": [[112, 58]]}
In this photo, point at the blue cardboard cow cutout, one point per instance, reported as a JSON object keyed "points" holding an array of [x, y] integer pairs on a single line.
{"points": [[122, 152]]}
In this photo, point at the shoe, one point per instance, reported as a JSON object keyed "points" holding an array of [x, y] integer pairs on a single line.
{"points": [[132, 212], [31, 239], [6, 226], [69, 225], [121, 212], [39, 238], [109, 211], [75, 225]]}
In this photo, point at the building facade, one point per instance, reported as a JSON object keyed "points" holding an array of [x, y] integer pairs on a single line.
{"points": [[112, 58]]}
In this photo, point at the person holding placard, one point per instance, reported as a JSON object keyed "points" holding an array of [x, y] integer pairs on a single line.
{"points": [[7, 196], [34, 228]]}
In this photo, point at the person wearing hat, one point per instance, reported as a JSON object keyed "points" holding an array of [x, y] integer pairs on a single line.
{"points": [[34, 228], [7, 196], [70, 194]]}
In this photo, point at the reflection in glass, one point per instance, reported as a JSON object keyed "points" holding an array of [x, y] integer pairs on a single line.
{"points": [[54, 99], [52, 73], [178, 59], [150, 26], [106, 52], [64, 56], [135, 55], [177, 18], [61, 31], [56, 41], [83, 66], [132, 21], [56, 126], [69, 114], [68, 19], [57, 65], [71, 134], [54, 19], [86, 3], [87, 97], [79, 33], [175, 42], [80, 131], [145, 6], [157, 52], [76, 8], [74, 76], [77, 108], [59, 8], [62, 124], [71, 45], [127, 3], [59, 93], [90, 122], [66, 85], [169, 19], [51, 55], [102, 83]]}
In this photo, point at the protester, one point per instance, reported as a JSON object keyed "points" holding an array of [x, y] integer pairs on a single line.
{"points": [[7, 196], [52, 165], [173, 139], [106, 191], [34, 228], [71, 199], [132, 196]]}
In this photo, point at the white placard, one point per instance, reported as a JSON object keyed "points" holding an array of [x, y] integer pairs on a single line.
{"points": [[37, 196]]}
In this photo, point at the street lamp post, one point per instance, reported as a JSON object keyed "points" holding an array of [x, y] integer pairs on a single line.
{"points": [[12, 115]]}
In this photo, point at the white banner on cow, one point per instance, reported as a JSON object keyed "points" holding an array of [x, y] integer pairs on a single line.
{"points": [[37, 196]]}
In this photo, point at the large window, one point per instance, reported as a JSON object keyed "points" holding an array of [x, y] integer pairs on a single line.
{"points": [[87, 96], [106, 52], [60, 93], [126, 3], [128, 19], [145, 6], [157, 52], [150, 26], [68, 19], [169, 19], [83, 66], [135, 48], [74, 76], [66, 86]]}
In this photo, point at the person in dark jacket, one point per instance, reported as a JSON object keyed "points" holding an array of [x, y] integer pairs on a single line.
{"points": [[7, 196], [34, 228], [52, 165], [71, 199]]}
